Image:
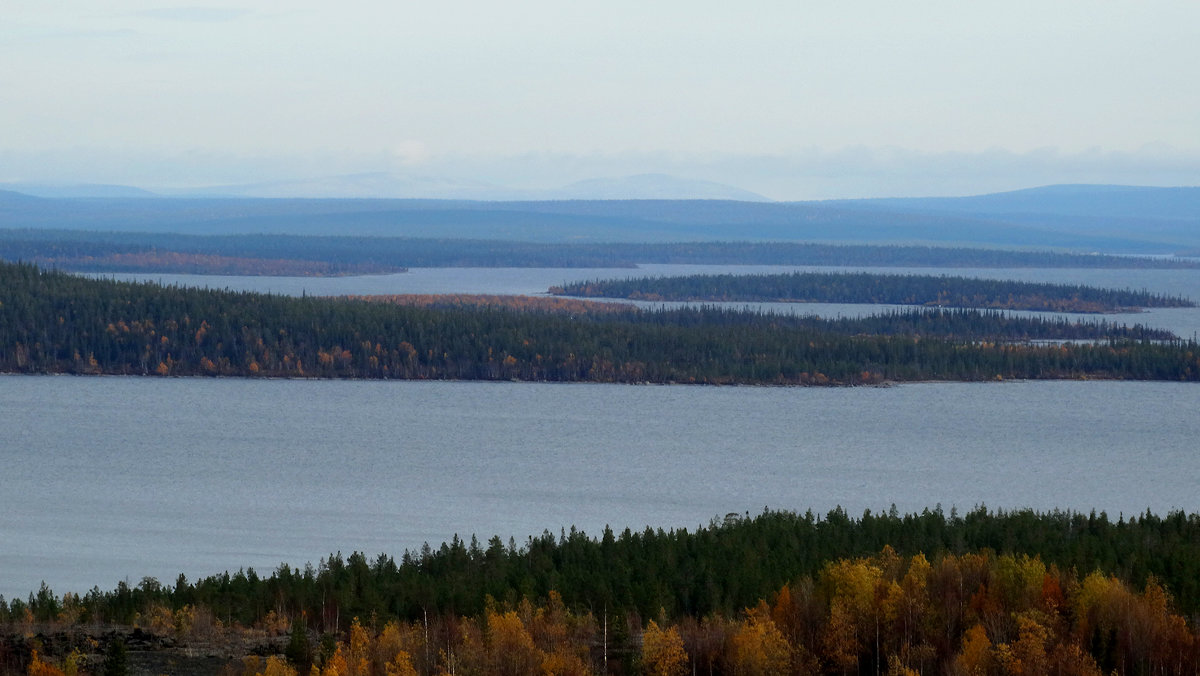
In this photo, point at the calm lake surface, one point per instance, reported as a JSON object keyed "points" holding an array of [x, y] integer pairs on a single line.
{"points": [[1184, 322], [107, 479], [110, 478], [537, 280]]}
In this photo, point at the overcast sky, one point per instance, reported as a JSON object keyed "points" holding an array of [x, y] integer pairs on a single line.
{"points": [[795, 100]]}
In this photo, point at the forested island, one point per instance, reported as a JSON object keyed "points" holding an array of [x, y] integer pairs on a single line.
{"points": [[53, 322], [958, 324], [309, 255], [988, 592], [863, 287]]}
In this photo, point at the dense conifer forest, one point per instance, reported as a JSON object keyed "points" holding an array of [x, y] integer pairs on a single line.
{"points": [[987, 592], [862, 287], [52, 322], [82, 250], [959, 324]]}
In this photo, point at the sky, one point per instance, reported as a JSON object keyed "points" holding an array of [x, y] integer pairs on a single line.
{"points": [[793, 100]]}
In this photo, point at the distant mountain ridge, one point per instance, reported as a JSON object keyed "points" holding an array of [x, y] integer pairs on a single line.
{"points": [[652, 186], [383, 185], [373, 185], [1109, 219], [1167, 216], [76, 190], [1103, 201]]}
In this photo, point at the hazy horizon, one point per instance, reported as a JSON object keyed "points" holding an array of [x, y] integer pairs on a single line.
{"points": [[791, 101], [682, 184]]}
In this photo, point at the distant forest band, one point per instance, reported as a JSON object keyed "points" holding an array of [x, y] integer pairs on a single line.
{"points": [[53, 322]]}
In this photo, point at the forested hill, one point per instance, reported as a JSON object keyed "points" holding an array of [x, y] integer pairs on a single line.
{"points": [[781, 593], [52, 322], [719, 568], [928, 290]]}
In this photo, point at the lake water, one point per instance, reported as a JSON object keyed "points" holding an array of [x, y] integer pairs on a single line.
{"points": [[116, 478], [106, 479], [537, 280], [1184, 322]]}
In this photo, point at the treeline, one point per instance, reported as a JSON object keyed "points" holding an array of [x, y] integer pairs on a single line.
{"points": [[958, 324], [85, 251], [986, 326], [169, 252], [863, 287], [521, 303], [986, 592], [52, 322], [210, 264], [57, 323]]}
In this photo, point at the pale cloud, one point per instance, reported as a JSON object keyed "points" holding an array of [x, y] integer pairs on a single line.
{"points": [[194, 14], [410, 152], [117, 34]]}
